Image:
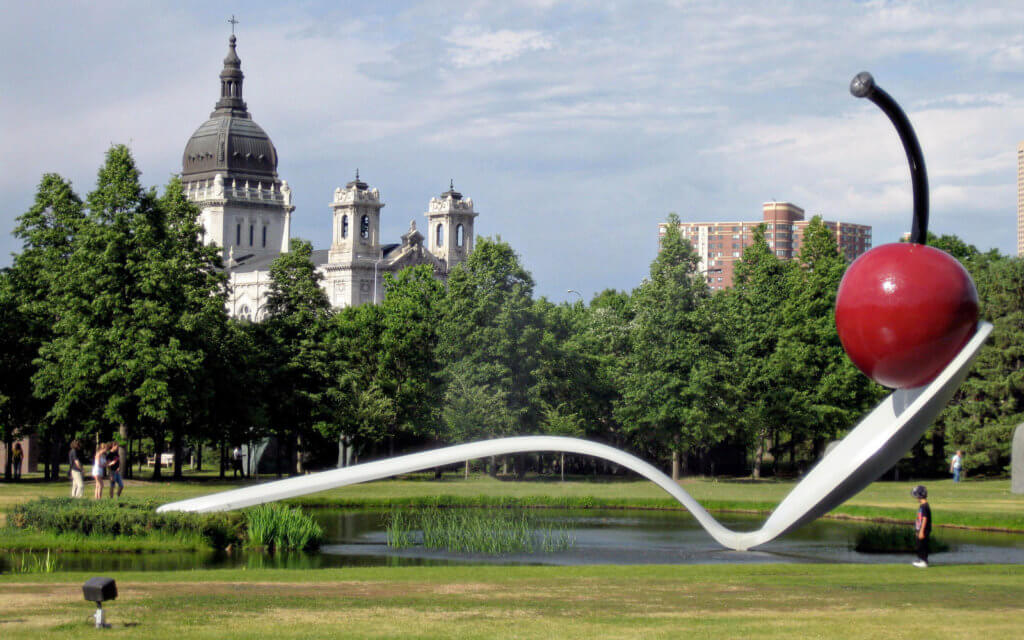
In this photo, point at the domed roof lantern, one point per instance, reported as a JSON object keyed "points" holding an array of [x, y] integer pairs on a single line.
{"points": [[231, 84], [230, 142], [357, 183], [451, 192]]}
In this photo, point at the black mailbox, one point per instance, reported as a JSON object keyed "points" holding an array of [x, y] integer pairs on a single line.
{"points": [[100, 590]]}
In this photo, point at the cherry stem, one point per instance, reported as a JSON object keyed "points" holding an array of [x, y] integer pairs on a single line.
{"points": [[863, 86]]}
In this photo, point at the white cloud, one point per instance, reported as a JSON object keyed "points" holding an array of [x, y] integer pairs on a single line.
{"points": [[575, 126], [471, 47]]}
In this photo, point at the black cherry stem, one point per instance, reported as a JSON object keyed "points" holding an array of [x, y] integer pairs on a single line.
{"points": [[863, 86]]}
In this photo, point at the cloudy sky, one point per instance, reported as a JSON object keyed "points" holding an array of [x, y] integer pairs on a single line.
{"points": [[575, 126]]}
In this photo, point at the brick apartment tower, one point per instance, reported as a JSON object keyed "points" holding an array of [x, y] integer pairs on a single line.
{"points": [[1020, 199], [720, 244]]}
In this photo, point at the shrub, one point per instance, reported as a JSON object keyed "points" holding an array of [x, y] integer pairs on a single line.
{"points": [[127, 517], [879, 538]]}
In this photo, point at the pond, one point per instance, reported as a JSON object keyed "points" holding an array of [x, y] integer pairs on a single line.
{"points": [[357, 538]]}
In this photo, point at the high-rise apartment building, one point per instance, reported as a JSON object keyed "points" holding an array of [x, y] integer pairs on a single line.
{"points": [[720, 244], [1020, 199]]}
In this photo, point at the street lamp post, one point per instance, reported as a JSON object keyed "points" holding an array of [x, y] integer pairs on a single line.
{"points": [[707, 271], [561, 457], [375, 263]]}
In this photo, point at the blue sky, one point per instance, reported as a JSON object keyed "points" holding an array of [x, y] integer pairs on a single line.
{"points": [[574, 126]]}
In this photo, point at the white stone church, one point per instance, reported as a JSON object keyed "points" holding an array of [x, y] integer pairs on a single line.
{"points": [[229, 170]]}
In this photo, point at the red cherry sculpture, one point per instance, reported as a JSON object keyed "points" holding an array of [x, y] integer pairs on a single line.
{"points": [[903, 311]]}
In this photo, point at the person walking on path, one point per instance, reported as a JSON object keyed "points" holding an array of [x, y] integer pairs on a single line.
{"points": [[114, 468], [99, 469], [956, 465], [922, 526], [75, 466]]}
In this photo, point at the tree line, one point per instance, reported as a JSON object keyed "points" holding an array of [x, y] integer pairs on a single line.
{"points": [[113, 322]]}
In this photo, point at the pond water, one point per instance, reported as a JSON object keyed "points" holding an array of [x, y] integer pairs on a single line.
{"points": [[357, 538]]}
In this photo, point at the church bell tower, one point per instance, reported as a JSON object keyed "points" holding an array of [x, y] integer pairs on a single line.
{"points": [[450, 227], [356, 229]]}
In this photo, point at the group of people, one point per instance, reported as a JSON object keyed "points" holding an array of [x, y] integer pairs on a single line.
{"points": [[106, 465]]}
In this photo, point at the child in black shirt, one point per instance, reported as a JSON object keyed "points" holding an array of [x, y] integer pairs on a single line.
{"points": [[923, 525]]}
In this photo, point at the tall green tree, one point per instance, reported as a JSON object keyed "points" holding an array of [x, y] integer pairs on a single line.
{"points": [[762, 396], [238, 387], [490, 332], [47, 232], [408, 366], [356, 408], [187, 293], [990, 403], [827, 394], [84, 368], [672, 391], [136, 297], [604, 336], [15, 366], [297, 315]]}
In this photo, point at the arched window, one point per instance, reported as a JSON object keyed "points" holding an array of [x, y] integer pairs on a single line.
{"points": [[440, 235], [245, 313], [238, 234], [344, 226], [458, 236], [252, 230], [364, 227], [264, 236]]}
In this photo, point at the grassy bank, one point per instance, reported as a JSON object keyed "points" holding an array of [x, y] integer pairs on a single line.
{"points": [[975, 503], [17, 540], [133, 525], [722, 601]]}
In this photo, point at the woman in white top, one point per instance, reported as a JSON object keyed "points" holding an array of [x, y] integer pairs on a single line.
{"points": [[99, 466]]}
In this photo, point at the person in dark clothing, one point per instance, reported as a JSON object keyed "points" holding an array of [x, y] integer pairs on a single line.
{"points": [[114, 468], [922, 526], [16, 458]]}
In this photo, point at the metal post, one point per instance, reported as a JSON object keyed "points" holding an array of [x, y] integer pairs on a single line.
{"points": [[375, 263]]}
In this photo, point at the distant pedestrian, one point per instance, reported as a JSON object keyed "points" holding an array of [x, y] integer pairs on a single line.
{"points": [[114, 468], [236, 462], [16, 458], [99, 469], [922, 526], [956, 465], [75, 465]]}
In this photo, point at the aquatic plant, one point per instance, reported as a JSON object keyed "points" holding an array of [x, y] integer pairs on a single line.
{"points": [[278, 527], [34, 563], [476, 531], [399, 530], [879, 538]]}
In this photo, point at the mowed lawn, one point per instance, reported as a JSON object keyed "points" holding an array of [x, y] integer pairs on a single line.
{"points": [[719, 601], [973, 502]]}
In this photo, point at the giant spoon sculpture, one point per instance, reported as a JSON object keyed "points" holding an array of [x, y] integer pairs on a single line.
{"points": [[907, 315]]}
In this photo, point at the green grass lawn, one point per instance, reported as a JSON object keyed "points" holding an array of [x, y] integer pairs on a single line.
{"points": [[709, 601], [976, 503]]}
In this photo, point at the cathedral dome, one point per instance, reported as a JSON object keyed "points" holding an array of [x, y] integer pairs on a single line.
{"points": [[230, 143]]}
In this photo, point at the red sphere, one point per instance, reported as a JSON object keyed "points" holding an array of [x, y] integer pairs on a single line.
{"points": [[904, 311]]}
